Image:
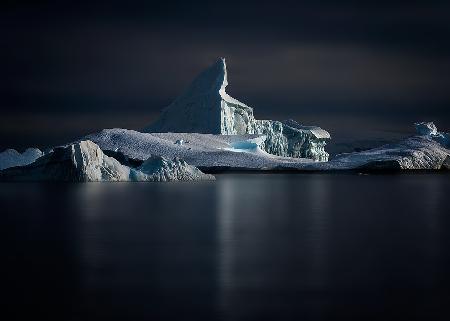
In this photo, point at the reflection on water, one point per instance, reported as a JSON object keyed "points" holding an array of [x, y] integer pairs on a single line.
{"points": [[246, 247], [258, 253]]}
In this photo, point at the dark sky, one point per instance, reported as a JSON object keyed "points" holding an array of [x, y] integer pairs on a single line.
{"points": [[67, 69]]}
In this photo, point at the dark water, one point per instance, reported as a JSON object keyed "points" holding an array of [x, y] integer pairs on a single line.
{"points": [[246, 247]]}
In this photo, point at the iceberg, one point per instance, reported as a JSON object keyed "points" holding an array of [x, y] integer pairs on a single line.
{"points": [[205, 107], [206, 130], [11, 157], [212, 153], [84, 161]]}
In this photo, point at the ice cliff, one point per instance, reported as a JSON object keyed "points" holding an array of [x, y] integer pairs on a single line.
{"points": [[205, 107], [84, 161]]}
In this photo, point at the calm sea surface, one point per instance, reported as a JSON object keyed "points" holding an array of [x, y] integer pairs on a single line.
{"points": [[246, 247]]}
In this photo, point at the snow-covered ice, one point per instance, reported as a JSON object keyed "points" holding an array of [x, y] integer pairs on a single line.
{"points": [[127, 155], [211, 152], [205, 151]]}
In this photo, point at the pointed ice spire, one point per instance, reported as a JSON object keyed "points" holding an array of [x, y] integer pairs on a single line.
{"points": [[212, 79], [200, 108]]}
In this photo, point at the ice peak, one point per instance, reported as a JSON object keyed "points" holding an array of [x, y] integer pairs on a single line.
{"points": [[223, 64], [214, 78], [426, 128], [199, 108]]}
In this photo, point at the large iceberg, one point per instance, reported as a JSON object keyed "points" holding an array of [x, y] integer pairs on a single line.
{"points": [[207, 130], [84, 161], [206, 108]]}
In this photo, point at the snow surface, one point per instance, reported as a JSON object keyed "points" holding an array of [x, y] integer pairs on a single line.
{"points": [[11, 157], [210, 152], [201, 150]]}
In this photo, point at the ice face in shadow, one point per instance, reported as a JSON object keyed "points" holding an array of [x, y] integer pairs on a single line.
{"points": [[11, 157], [159, 169], [205, 107], [426, 128]]}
